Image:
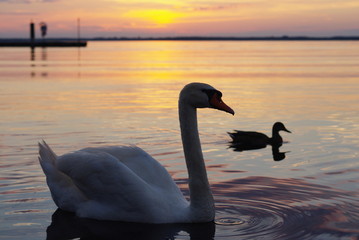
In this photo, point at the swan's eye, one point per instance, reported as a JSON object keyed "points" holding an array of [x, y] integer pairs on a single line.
{"points": [[211, 92]]}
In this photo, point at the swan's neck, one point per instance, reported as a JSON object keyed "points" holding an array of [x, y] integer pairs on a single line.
{"points": [[201, 199]]}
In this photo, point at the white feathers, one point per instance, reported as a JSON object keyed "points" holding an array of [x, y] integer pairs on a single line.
{"points": [[126, 184], [112, 183]]}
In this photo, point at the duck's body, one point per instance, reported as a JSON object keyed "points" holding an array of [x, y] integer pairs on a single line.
{"points": [[249, 138], [255, 140], [127, 184]]}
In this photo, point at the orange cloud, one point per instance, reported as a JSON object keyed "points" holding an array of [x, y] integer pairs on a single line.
{"points": [[190, 17]]}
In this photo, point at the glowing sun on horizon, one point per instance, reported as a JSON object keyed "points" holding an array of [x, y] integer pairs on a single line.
{"points": [[160, 17]]}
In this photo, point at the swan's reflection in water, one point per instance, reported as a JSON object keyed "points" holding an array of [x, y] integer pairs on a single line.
{"points": [[265, 208], [66, 225]]}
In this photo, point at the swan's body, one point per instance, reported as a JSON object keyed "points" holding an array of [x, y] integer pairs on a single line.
{"points": [[255, 140], [127, 184]]}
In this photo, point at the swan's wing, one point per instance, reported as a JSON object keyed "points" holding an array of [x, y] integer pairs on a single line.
{"points": [[114, 189], [140, 163]]}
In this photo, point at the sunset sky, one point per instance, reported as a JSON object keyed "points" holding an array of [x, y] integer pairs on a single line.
{"points": [[156, 18]]}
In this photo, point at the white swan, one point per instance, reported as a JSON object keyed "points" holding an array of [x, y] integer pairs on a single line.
{"points": [[127, 184]]}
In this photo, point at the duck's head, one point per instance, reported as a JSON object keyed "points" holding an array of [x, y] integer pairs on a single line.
{"points": [[279, 126], [201, 95]]}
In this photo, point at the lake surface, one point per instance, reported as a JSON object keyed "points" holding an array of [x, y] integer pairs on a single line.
{"points": [[113, 93]]}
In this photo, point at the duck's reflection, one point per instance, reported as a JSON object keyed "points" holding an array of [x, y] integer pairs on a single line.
{"points": [[277, 155], [66, 225]]}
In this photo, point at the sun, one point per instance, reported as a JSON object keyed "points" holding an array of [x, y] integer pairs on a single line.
{"points": [[157, 16]]}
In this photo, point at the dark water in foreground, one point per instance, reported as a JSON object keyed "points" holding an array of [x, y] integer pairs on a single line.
{"points": [[126, 93], [245, 215]]}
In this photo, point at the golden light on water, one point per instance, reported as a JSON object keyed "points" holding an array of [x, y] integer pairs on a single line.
{"points": [[114, 93]]}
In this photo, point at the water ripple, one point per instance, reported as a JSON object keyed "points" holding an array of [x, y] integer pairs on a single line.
{"points": [[284, 209], [247, 208]]}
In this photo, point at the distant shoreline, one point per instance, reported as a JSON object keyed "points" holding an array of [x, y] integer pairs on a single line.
{"points": [[199, 38], [65, 42]]}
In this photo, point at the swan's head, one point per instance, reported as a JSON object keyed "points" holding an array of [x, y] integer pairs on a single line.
{"points": [[278, 126], [201, 95]]}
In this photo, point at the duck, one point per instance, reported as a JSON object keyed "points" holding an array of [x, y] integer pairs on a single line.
{"points": [[247, 140], [124, 183]]}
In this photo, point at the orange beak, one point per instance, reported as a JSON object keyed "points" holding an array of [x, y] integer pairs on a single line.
{"points": [[217, 103]]}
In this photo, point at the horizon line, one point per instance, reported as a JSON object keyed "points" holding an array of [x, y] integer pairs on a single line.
{"points": [[283, 37]]}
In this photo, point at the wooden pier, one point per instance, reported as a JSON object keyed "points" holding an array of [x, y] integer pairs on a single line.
{"points": [[42, 43]]}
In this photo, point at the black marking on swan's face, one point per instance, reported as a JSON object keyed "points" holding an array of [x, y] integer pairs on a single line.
{"points": [[215, 100], [211, 92]]}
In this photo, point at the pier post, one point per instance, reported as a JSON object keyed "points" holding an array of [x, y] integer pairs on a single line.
{"points": [[32, 34]]}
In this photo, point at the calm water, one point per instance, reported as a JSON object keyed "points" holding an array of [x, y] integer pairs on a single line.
{"points": [[126, 93]]}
